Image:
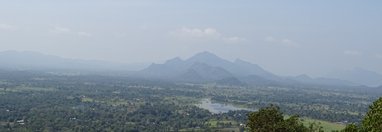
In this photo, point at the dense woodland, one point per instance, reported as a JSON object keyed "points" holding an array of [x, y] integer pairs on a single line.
{"points": [[270, 119], [37, 101]]}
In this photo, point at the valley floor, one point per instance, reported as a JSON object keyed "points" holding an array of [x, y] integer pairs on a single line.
{"points": [[46, 102]]}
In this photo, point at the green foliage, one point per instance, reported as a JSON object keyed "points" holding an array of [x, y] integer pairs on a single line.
{"points": [[266, 119], [270, 119], [293, 124], [326, 126], [315, 127], [350, 128], [373, 119]]}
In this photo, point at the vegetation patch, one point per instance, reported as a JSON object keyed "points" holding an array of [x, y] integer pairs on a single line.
{"points": [[327, 126], [23, 88], [213, 123]]}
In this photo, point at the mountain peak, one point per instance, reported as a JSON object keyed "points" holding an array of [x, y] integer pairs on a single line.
{"points": [[174, 60], [207, 65], [205, 54], [206, 57]]}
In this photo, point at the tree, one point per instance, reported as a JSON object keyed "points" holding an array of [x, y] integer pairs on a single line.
{"points": [[373, 119], [266, 119], [270, 119], [293, 124], [350, 128], [315, 127]]}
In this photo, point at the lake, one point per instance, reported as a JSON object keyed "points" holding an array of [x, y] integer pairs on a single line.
{"points": [[216, 108]]}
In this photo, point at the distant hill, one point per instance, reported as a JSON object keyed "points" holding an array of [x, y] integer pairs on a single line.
{"points": [[359, 75], [27, 60], [322, 81], [201, 68], [201, 72], [205, 67], [237, 68]]}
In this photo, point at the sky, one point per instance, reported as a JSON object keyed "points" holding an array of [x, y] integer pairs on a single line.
{"points": [[285, 37]]}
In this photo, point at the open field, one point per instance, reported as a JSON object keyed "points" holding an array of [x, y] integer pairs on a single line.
{"points": [[327, 126]]}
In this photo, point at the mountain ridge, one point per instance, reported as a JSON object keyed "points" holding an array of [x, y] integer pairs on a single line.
{"points": [[246, 72], [210, 68], [358, 75], [29, 60], [177, 69]]}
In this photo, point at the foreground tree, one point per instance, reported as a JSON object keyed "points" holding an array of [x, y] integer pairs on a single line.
{"points": [[373, 119], [270, 119], [350, 128]]}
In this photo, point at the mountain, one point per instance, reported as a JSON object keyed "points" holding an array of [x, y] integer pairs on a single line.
{"points": [[168, 70], [257, 80], [27, 60], [321, 81], [359, 75], [237, 68], [244, 68], [201, 72], [200, 68], [206, 67]]}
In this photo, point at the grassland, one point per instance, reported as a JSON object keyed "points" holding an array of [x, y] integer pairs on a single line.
{"points": [[215, 123], [327, 126]]}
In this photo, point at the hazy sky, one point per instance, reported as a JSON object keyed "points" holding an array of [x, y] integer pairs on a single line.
{"points": [[285, 37]]}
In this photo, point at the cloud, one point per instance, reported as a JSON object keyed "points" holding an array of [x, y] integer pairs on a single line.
{"points": [[7, 27], [379, 56], [283, 42], [204, 33], [289, 43], [270, 39], [234, 39], [197, 33], [65, 30], [352, 53], [59, 29], [84, 34]]}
